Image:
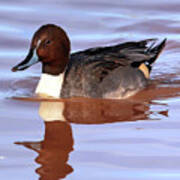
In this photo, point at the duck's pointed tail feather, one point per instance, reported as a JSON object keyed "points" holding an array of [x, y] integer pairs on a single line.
{"points": [[155, 50]]}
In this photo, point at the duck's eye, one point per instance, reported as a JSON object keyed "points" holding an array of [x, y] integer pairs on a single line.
{"points": [[47, 42]]}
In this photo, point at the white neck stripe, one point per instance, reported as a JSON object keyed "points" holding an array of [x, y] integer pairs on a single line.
{"points": [[38, 43]]}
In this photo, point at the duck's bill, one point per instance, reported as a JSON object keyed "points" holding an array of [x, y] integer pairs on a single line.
{"points": [[31, 59]]}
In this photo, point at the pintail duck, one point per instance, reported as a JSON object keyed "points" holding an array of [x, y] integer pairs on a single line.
{"points": [[115, 72]]}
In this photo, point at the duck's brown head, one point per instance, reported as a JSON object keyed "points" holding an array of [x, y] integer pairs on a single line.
{"points": [[50, 46]]}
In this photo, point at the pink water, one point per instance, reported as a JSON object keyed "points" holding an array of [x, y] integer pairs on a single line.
{"points": [[133, 139]]}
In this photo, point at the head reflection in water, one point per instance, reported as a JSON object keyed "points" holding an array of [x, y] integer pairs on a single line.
{"points": [[53, 151]]}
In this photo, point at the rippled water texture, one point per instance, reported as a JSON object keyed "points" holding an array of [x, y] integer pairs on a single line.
{"points": [[133, 139]]}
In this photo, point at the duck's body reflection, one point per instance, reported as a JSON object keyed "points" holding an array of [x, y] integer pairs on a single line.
{"points": [[53, 151], [104, 111]]}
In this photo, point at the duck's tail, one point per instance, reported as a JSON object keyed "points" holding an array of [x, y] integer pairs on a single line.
{"points": [[154, 50]]}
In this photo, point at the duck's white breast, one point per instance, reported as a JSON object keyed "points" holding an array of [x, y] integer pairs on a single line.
{"points": [[50, 86]]}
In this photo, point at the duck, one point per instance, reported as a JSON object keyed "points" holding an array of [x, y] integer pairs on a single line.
{"points": [[110, 72]]}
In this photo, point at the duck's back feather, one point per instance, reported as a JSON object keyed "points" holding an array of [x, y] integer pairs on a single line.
{"points": [[98, 71]]}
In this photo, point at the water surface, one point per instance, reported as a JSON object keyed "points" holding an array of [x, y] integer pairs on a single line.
{"points": [[132, 139]]}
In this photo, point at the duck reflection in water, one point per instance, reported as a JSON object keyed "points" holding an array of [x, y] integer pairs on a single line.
{"points": [[53, 151]]}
